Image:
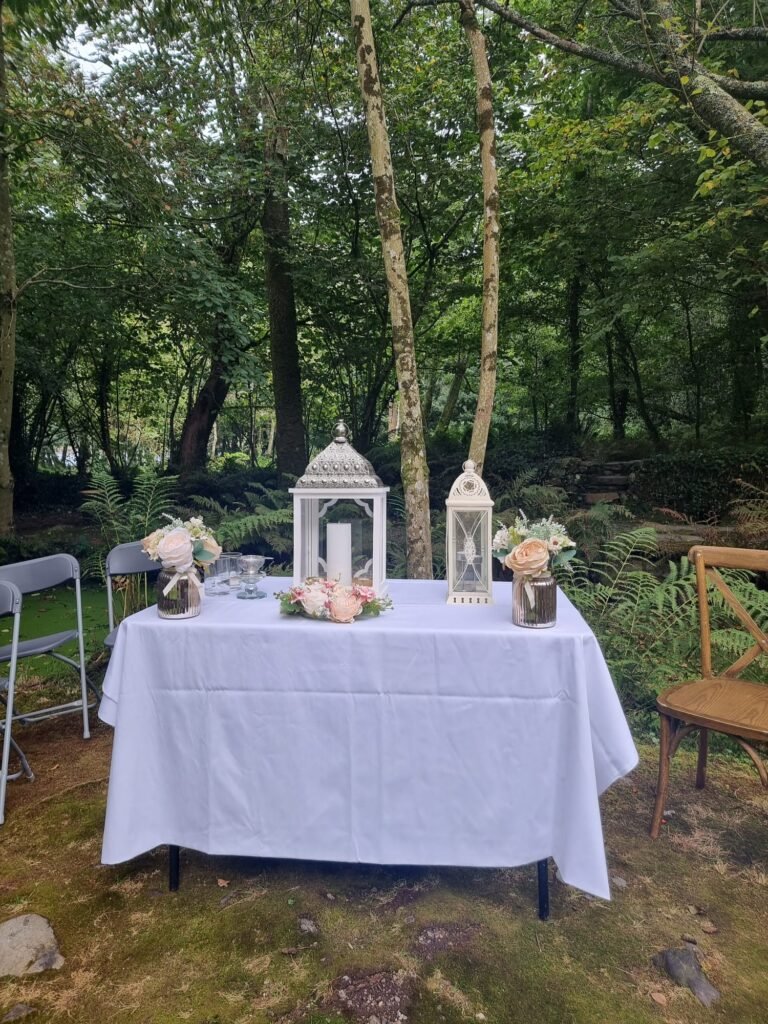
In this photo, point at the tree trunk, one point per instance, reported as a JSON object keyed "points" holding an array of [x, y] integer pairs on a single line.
{"points": [[283, 332], [7, 299], [446, 416], [574, 352], [618, 395], [490, 331], [413, 456], [630, 361], [196, 432]]}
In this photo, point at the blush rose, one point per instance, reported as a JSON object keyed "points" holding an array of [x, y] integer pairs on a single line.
{"points": [[529, 558], [344, 606]]}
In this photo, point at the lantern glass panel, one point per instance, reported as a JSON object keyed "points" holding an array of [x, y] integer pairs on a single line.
{"points": [[346, 540], [471, 555]]}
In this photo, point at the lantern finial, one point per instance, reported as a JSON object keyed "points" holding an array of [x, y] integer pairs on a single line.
{"points": [[469, 466], [340, 433]]}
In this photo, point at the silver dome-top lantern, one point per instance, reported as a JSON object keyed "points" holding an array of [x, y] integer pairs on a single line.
{"points": [[340, 518], [468, 539]]}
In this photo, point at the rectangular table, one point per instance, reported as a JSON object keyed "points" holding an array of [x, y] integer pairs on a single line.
{"points": [[435, 734]]}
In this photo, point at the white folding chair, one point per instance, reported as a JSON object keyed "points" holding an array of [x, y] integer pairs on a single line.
{"points": [[10, 604], [42, 574], [124, 560]]}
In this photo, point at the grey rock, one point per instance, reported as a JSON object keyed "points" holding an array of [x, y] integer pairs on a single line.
{"points": [[28, 946], [307, 926], [17, 1012], [618, 882], [683, 967]]}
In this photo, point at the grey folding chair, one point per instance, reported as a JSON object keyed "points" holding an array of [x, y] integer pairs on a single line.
{"points": [[124, 560], [10, 604], [42, 574]]}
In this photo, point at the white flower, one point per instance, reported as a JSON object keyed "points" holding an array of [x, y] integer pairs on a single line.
{"points": [[313, 600], [501, 539], [175, 549]]}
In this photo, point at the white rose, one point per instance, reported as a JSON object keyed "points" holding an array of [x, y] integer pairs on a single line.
{"points": [[313, 600], [175, 550]]}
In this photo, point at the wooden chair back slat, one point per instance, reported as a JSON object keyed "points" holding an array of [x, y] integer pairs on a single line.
{"points": [[705, 559]]}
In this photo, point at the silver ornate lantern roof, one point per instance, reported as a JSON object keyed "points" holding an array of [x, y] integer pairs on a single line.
{"points": [[339, 465]]}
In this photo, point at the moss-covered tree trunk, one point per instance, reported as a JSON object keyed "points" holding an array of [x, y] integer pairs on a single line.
{"points": [[7, 300], [413, 456], [490, 330]]}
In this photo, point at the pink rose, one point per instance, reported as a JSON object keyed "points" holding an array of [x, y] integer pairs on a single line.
{"points": [[344, 606], [530, 557], [175, 550], [366, 594]]}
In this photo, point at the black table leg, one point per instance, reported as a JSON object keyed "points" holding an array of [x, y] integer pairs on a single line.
{"points": [[173, 868], [543, 873]]}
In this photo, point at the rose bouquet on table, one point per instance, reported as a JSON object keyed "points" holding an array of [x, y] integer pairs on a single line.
{"points": [[532, 549], [181, 545], [328, 599]]}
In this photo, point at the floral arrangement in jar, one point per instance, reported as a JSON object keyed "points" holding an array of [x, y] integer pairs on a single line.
{"points": [[181, 546], [531, 550], [333, 601]]}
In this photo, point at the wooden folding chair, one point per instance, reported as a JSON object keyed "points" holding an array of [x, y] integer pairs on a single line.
{"points": [[721, 701]]}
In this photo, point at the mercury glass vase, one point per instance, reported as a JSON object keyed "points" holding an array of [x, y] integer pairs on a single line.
{"points": [[183, 600], [534, 601]]}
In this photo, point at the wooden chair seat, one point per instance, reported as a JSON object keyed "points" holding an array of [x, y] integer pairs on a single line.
{"points": [[722, 703], [719, 700]]}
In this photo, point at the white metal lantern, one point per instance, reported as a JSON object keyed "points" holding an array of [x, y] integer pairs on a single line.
{"points": [[340, 518], [468, 555]]}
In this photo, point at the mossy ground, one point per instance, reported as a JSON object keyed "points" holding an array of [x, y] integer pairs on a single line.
{"points": [[233, 946], [229, 946]]}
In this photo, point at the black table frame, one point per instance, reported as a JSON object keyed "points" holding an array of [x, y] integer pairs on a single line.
{"points": [[542, 874]]}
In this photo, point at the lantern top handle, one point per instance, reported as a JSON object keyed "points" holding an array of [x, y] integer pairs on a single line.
{"points": [[340, 432], [469, 489], [339, 466]]}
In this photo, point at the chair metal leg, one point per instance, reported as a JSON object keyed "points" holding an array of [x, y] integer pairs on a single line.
{"points": [[81, 652], [8, 723], [542, 869], [174, 868], [663, 783], [701, 764]]}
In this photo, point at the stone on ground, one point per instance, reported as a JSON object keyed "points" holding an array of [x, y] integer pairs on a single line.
{"points": [[683, 967], [28, 946]]}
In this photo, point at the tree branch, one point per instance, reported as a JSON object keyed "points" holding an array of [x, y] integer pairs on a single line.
{"points": [[755, 33]]}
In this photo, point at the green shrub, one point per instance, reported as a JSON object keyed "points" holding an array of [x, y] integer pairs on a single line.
{"points": [[698, 484], [56, 539]]}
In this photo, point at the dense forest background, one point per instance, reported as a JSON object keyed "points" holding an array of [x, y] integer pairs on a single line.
{"points": [[198, 272]]}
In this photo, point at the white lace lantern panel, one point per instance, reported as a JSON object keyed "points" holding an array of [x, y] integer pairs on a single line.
{"points": [[468, 555]]}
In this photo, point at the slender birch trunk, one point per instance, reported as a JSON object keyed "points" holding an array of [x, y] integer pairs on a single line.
{"points": [[490, 329], [413, 456], [7, 299]]}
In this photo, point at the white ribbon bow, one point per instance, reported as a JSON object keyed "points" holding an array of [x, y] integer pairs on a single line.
{"points": [[181, 572]]}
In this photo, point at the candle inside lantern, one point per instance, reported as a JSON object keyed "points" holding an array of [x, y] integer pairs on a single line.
{"points": [[338, 555]]}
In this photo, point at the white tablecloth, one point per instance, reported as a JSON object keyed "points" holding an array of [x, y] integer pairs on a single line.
{"points": [[435, 734]]}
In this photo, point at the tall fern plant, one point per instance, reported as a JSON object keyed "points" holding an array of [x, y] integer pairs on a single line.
{"points": [[122, 518], [265, 517], [647, 623]]}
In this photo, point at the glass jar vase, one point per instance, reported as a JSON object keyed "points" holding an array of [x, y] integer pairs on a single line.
{"points": [[534, 601], [183, 600]]}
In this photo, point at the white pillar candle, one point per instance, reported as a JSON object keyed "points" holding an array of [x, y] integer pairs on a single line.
{"points": [[338, 554]]}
